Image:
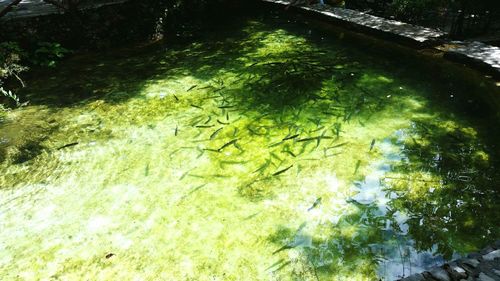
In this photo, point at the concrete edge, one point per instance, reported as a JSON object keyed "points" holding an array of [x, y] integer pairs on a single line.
{"points": [[434, 42]]}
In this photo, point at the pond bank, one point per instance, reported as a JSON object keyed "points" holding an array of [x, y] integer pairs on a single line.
{"points": [[484, 266]]}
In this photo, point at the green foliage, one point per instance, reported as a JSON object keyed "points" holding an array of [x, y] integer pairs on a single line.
{"points": [[412, 10], [13, 59], [10, 67], [10, 57], [48, 53]]}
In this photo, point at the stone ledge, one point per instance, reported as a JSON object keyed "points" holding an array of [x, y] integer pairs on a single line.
{"points": [[476, 54], [406, 33]]}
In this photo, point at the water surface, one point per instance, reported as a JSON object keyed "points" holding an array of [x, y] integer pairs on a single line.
{"points": [[261, 151]]}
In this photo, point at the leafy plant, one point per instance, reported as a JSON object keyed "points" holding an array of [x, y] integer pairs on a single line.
{"points": [[10, 58], [48, 53]]}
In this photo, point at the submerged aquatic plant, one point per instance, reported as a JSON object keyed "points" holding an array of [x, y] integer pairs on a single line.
{"points": [[230, 158]]}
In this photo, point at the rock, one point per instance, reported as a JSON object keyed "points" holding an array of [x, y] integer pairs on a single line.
{"points": [[487, 250], [492, 255], [471, 262], [484, 277], [415, 277], [456, 272], [440, 274], [474, 256]]}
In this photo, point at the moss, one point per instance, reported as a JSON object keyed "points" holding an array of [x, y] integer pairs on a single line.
{"points": [[203, 160]]}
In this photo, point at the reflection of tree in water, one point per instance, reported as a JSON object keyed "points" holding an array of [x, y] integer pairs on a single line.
{"points": [[369, 242], [437, 199], [447, 187]]}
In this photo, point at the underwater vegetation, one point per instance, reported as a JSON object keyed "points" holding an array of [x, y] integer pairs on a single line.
{"points": [[262, 150]]}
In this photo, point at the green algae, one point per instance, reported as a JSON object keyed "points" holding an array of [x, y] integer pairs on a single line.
{"points": [[202, 162]]}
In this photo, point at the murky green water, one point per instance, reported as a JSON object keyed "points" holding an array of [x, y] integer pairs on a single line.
{"points": [[260, 152]]}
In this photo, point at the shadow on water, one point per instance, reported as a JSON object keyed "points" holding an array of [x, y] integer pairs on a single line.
{"points": [[448, 183], [299, 99], [435, 201]]}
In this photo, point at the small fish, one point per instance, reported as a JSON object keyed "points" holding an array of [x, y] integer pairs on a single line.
{"points": [[196, 106], [316, 203], [67, 145], [306, 139], [290, 137], [263, 166], [282, 266], [238, 147], [211, 149], [227, 144], [176, 131], [286, 247], [289, 152], [215, 133], [252, 215], [275, 156], [372, 144], [275, 144], [276, 264], [219, 89], [226, 106], [184, 175], [204, 126], [282, 171], [358, 163], [338, 145], [195, 189], [222, 123], [314, 138], [192, 87], [208, 120], [176, 98], [227, 116]]}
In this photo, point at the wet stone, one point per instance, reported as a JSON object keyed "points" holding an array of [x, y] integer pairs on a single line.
{"points": [[456, 272], [484, 277], [416, 277], [492, 255], [440, 274], [474, 256], [471, 262], [487, 250]]}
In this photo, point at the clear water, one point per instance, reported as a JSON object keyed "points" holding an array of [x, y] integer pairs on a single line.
{"points": [[295, 157]]}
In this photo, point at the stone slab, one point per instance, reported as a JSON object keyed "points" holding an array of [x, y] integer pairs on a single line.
{"points": [[477, 54], [420, 36]]}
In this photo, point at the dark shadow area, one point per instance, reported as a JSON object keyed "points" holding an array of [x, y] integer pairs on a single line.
{"points": [[454, 172]]}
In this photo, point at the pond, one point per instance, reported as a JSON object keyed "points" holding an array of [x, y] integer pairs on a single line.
{"points": [[262, 150]]}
